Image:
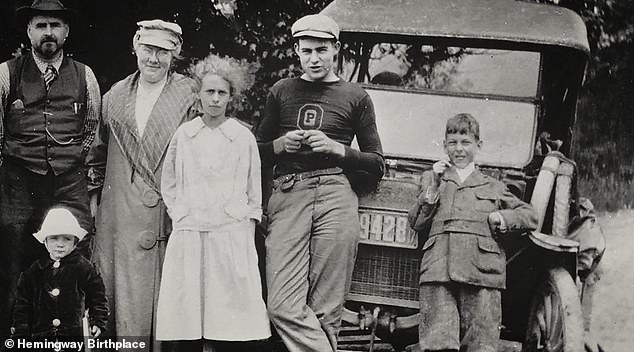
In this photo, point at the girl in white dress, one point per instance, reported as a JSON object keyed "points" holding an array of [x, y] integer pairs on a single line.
{"points": [[211, 289]]}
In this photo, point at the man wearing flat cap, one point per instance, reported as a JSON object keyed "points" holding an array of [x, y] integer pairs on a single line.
{"points": [[306, 133], [49, 109], [139, 117]]}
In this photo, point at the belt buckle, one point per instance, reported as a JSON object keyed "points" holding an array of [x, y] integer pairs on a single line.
{"points": [[287, 182]]}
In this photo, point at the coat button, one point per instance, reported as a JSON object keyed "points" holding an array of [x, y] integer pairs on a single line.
{"points": [[56, 264], [56, 322], [55, 292], [150, 198], [147, 239]]}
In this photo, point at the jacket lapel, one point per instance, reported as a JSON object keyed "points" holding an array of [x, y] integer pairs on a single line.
{"points": [[475, 179], [170, 110], [121, 117], [122, 106], [451, 175], [145, 153]]}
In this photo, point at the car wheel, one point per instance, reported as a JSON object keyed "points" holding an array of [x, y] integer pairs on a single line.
{"points": [[555, 322]]}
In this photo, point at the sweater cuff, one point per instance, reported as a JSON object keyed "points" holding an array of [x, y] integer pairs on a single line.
{"points": [[370, 162], [351, 158]]}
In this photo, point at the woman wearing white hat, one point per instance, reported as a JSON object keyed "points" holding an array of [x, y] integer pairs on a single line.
{"points": [[139, 117]]}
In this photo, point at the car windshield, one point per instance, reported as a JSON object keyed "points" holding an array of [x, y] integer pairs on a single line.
{"points": [[415, 89], [452, 69], [413, 126]]}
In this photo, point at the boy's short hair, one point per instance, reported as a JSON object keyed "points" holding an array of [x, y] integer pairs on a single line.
{"points": [[463, 124]]}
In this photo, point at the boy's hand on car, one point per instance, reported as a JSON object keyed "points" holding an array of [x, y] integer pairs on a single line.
{"points": [[495, 221], [95, 330], [439, 169], [290, 142], [320, 143]]}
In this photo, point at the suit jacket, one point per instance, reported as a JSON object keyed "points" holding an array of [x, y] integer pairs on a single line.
{"points": [[460, 246]]}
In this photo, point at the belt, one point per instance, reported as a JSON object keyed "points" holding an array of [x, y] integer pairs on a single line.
{"points": [[288, 181]]}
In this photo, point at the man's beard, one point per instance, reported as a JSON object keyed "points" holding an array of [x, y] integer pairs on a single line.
{"points": [[47, 51]]}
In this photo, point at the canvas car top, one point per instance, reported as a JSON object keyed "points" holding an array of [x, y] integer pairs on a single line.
{"points": [[507, 20]]}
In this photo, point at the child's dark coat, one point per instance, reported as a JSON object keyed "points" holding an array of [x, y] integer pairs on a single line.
{"points": [[50, 301]]}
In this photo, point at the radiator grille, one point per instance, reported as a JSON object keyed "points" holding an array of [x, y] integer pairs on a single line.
{"points": [[386, 272]]}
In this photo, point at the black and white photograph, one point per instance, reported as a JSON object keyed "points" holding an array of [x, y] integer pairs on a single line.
{"points": [[317, 175]]}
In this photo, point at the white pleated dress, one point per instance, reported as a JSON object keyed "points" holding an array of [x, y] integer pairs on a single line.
{"points": [[211, 286]]}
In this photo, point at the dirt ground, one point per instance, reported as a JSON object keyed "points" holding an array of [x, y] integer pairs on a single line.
{"points": [[613, 317], [613, 311]]}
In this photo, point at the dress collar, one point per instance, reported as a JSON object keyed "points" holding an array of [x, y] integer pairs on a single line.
{"points": [[48, 262], [230, 128]]}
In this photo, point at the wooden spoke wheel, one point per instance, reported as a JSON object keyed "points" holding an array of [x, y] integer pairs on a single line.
{"points": [[555, 323]]}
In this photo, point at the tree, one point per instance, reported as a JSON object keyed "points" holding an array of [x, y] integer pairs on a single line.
{"points": [[605, 127], [259, 31]]}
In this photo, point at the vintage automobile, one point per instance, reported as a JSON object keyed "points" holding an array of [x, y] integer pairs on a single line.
{"points": [[517, 67]]}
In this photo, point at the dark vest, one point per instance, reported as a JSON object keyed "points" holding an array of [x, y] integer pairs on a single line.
{"points": [[45, 128]]}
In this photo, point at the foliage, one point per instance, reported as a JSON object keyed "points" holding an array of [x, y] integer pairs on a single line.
{"points": [[604, 131], [258, 31], [603, 139], [408, 65]]}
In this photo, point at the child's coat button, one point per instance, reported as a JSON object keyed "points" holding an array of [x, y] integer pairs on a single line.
{"points": [[55, 292], [56, 322], [56, 264]]}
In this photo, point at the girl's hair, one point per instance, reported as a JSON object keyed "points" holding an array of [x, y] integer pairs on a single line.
{"points": [[463, 124], [240, 74]]}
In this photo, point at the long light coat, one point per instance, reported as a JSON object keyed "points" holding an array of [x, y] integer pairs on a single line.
{"points": [[132, 223]]}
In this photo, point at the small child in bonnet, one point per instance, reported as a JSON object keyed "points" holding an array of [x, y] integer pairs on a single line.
{"points": [[54, 292]]}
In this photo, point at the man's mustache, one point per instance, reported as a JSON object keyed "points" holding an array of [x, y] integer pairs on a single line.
{"points": [[48, 38]]}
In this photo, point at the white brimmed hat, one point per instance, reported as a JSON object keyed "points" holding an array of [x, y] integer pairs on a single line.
{"points": [[315, 26], [166, 35], [59, 221]]}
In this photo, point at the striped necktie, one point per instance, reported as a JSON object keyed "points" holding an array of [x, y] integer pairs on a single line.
{"points": [[49, 75]]}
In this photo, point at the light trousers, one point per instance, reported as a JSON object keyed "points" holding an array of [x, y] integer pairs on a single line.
{"points": [[310, 251]]}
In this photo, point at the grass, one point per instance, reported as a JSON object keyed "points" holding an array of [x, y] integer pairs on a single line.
{"points": [[603, 138], [608, 193]]}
